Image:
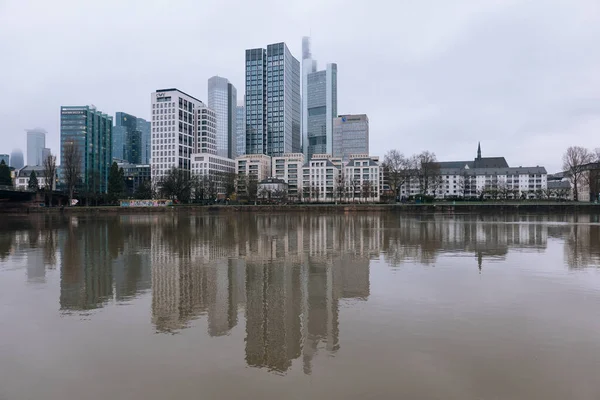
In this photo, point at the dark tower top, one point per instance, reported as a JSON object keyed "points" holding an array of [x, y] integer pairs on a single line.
{"points": [[479, 151]]}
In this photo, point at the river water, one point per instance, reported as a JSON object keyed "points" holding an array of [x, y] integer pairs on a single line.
{"points": [[300, 306]]}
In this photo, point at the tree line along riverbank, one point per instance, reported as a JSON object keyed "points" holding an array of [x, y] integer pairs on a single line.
{"points": [[485, 207]]}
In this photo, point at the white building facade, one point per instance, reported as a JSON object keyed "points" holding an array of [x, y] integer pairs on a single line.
{"points": [[174, 129], [218, 169], [206, 127], [288, 167], [363, 178]]}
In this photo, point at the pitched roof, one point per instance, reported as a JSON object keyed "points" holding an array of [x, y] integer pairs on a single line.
{"points": [[490, 162]]}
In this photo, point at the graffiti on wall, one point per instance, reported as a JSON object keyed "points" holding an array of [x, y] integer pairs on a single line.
{"points": [[146, 203]]}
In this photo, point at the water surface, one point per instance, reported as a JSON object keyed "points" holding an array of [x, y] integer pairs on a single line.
{"points": [[297, 306]]}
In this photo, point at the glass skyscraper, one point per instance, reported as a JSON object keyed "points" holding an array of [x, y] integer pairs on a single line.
{"points": [[91, 131], [240, 126], [319, 104], [350, 135], [144, 127], [16, 159], [36, 142], [272, 101], [222, 98], [127, 138]]}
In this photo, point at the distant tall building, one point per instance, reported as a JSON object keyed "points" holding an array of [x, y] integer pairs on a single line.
{"points": [[272, 101], [127, 138], [144, 127], [240, 134], [5, 158], [45, 154], [222, 98], [350, 135], [91, 132], [16, 159], [319, 104], [36, 142]]}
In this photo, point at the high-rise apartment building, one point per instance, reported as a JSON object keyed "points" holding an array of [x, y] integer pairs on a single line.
{"points": [[272, 101], [127, 139], [240, 126], [350, 135], [319, 104], [36, 142], [222, 98], [91, 132], [16, 159]]}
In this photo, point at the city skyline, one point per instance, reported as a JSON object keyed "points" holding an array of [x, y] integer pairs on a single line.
{"points": [[437, 91]]}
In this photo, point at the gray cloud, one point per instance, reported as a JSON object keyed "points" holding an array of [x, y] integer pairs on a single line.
{"points": [[519, 76]]}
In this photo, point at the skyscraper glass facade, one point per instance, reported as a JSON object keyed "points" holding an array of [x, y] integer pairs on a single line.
{"points": [[16, 159], [321, 103], [240, 126], [272, 101], [222, 98], [144, 127], [127, 139], [91, 132], [350, 135]]}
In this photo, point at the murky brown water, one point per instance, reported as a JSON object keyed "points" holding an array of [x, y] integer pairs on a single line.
{"points": [[300, 307]]}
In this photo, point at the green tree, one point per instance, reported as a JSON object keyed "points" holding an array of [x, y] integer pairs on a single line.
{"points": [[5, 178], [116, 182], [144, 190], [33, 182]]}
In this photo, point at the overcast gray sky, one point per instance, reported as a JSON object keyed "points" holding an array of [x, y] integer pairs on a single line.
{"points": [[522, 77]]}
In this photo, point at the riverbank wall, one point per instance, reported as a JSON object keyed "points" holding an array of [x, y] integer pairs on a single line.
{"points": [[446, 208]]}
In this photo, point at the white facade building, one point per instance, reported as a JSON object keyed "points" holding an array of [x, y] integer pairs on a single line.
{"points": [[215, 167], [289, 168], [362, 178], [206, 126], [174, 130], [258, 165], [36, 142], [21, 177], [320, 177]]}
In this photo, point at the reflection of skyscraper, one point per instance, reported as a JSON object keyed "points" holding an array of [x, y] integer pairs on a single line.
{"points": [[86, 273], [273, 307]]}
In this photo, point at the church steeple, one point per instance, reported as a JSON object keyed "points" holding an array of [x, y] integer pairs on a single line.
{"points": [[479, 150]]}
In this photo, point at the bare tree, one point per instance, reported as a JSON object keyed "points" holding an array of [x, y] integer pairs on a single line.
{"points": [[71, 162], [397, 168], [574, 164], [340, 187], [49, 164], [427, 170]]}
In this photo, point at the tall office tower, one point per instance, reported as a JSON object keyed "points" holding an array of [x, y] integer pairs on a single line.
{"points": [[45, 154], [240, 134], [36, 142], [91, 132], [272, 101], [144, 127], [181, 126], [350, 135], [207, 128], [16, 159], [127, 139], [222, 98], [319, 104]]}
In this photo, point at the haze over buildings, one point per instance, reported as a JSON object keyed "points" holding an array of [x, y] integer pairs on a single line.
{"points": [[36, 143]]}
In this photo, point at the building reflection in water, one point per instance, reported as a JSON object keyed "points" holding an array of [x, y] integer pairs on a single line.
{"points": [[284, 274]]}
